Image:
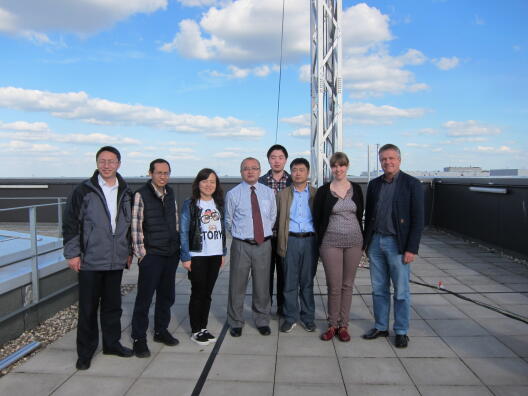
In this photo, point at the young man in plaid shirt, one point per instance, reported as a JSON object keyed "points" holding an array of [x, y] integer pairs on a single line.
{"points": [[277, 179], [156, 244]]}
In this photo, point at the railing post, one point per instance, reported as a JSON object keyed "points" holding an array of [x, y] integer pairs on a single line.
{"points": [[59, 217], [34, 255]]}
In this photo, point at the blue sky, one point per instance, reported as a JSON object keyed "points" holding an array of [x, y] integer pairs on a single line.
{"points": [[195, 82]]}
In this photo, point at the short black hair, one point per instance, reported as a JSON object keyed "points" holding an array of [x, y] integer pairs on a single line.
{"points": [[111, 149], [158, 161], [277, 147], [300, 161]]}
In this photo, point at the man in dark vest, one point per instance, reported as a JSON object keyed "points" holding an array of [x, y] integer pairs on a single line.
{"points": [[156, 244]]}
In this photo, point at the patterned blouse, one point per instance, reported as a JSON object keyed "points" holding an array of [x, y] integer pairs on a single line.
{"points": [[343, 228]]}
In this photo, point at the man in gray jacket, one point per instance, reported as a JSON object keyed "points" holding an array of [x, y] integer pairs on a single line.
{"points": [[97, 245]]}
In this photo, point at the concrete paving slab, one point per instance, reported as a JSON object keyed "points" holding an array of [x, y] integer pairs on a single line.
{"points": [[114, 366], [307, 370], [309, 390], [293, 345], [80, 385], [54, 361], [483, 346], [439, 312], [175, 365], [424, 347], [249, 344], [507, 298], [161, 387], [457, 327], [420, 328], [381, 390], [503, 326], [517, 343], [243, 367], [476, 311], [439, 371], [426, 390], [358, 347], [500, 371], [237, 387], [30, 384], [380, 371], [509, 390]]}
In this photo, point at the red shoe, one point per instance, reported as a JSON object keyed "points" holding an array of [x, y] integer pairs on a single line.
{"points": [[343, 335], [330, 333]]}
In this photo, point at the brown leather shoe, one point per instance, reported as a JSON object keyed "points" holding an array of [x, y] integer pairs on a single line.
{"points": [[329, 334], [343, 335]]}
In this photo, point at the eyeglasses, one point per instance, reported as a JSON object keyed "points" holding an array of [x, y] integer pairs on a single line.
{"points": [[251, 169], [164, 174], [107, 162], [206, 218]]}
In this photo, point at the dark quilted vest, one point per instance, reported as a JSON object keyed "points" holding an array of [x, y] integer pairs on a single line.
{"points": [[159, 222]]}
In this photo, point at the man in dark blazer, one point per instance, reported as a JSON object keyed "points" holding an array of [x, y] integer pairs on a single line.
{"points": [[394, 220]]}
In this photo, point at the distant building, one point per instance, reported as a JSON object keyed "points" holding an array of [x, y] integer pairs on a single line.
{"points": [[509, 172]]}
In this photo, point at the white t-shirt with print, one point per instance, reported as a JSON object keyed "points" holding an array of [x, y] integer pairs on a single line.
{"points": [[211, 227]]}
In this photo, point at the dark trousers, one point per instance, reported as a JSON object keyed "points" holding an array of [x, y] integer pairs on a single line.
{"points": [[276, 264], [156, 274], [98, 288], [203, 275]]}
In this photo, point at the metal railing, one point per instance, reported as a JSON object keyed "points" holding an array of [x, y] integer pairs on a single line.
{"points": [[32, 216]]}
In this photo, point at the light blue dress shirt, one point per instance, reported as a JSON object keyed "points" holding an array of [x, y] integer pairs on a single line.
{"points": [[300, 214], [238, 216]]}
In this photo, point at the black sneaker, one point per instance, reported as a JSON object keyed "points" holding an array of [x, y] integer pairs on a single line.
{"points": [[210, 337], [141, 349], [309, 326], [287, 327], [200, 338], [166, 338]]}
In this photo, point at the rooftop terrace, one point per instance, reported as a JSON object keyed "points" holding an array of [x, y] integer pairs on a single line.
{"points": [[456, 347]]}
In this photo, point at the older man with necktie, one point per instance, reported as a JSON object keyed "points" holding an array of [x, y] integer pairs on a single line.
{"points": [[249, 216]]}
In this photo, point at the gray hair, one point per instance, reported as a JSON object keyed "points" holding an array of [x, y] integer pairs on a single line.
{"points": [[248, 159], [389, 146]]}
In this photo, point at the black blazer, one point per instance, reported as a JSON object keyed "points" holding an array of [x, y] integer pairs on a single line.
{"points": [[324, 201], [407, 211]]}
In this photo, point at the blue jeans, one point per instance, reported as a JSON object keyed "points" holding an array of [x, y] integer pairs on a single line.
{"points": [[299, 268], [386, 264]]}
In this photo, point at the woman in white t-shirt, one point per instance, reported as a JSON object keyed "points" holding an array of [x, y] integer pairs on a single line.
{"points": [[203, 248]]}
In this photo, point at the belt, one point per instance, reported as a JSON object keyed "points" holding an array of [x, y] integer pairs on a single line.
{"points": [[301, 234], [252, 241]]}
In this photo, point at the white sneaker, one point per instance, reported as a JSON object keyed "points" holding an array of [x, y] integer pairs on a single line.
{"points": [[200, 338]]}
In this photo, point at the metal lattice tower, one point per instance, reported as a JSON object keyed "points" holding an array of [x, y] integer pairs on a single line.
{"points": [[326, 86]]}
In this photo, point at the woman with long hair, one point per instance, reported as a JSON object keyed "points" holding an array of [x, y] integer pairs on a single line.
{"points": [[338, 214], [203, 248]]}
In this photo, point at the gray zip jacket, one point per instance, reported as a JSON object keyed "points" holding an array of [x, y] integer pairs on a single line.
{"points": [[87, 229]]}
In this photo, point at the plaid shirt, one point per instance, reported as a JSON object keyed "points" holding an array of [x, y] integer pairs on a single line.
{"points": [[277, 186], [136, 228]]}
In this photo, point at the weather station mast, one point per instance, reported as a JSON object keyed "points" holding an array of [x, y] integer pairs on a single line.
{"points": [[326, 86]]}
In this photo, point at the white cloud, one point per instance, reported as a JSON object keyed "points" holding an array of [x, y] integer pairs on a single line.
{"points": [[24, 126], [301, 132], [418, 145], [427, 131], [20, 146], [181, 150], [227, 154], [496, 150], [446, 63], [80, 106], [470, 128], [239, 72], [198, 3], [301, 120], [367, 113], [32, 19], [243, 133], [245, 32]]}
